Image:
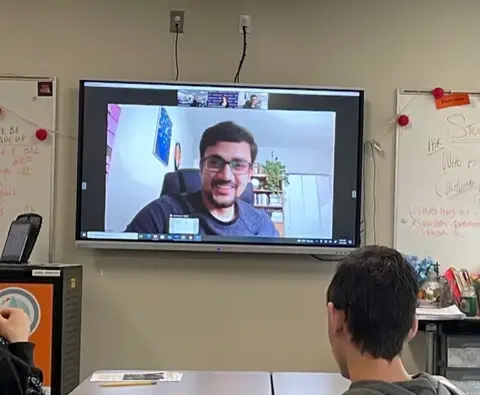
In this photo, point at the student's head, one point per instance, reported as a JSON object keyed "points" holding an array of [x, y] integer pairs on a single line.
{"points": [[371, 304], [254, 99], [227, 152]]}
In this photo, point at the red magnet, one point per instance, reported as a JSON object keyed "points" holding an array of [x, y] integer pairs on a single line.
{"points": [[438, 93], [403, 120], [41, 134]]}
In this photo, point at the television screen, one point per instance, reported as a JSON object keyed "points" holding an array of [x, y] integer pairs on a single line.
{"points": [[217, 167]]}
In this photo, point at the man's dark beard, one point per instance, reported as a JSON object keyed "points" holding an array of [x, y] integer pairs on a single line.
{"points": [[212, 200], [210, 196]]}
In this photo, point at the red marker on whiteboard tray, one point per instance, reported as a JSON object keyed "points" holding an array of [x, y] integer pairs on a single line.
{"points": [[41, 134]]}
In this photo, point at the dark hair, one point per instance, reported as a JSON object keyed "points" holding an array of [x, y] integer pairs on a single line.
{"points": [[377, 290], [253, 97], [228, 132]]}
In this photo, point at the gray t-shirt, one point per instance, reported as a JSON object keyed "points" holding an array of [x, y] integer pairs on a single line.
{"points": [[421, 384]]}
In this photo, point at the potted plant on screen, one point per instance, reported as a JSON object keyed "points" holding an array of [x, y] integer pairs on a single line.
{"points": [[276, 178]]}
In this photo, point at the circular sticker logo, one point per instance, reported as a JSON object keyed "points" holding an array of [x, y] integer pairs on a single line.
{"points": [[20, 298]]}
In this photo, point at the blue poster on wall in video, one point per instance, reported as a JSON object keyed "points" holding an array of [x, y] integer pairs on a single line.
{"points": [[163, 137]]}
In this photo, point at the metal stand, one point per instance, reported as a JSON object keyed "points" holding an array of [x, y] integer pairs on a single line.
{"points": [[431, 346]]}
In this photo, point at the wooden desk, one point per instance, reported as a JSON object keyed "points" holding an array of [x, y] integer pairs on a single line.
{"points": [[309, 383], [192, 383]]}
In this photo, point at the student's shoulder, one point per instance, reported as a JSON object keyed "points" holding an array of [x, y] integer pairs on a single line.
{"points": [[362, 391], [441, 385]]}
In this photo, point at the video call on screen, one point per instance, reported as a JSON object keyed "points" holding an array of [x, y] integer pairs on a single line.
{"points": [[142, 171]]}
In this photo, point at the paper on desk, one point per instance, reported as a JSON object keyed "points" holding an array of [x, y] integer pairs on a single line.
{"points": [[136, 376], [446, 313]]}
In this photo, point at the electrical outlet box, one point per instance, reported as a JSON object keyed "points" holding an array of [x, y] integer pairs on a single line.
{"points": [[177, 21], [245, 20]]}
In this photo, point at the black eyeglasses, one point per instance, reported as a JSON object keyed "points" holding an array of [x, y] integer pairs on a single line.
{"points": [[216, 164]]}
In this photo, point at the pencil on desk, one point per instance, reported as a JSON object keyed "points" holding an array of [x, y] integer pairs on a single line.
{"points": [[128, 383]]}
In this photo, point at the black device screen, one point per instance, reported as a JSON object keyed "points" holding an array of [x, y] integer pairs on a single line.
{"points": [[14, 248]]}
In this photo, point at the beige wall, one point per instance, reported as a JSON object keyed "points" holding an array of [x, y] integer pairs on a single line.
{"points": [[201, 311]]}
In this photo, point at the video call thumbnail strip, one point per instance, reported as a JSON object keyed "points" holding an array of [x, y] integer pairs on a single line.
{"points": [[222, 99]]}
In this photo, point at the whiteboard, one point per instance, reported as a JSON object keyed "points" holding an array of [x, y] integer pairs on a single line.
{"points": [[27, 164], [437, 186]]}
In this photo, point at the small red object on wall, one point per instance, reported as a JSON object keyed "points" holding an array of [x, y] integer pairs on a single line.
{"points": [[41, 134], [403, 120], [438, 93]]}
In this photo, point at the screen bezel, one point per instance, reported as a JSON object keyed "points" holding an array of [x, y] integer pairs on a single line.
{"points": [[125, 244]]}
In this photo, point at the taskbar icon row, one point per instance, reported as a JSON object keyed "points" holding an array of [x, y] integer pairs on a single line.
{"points": [[173, 237], [168, 237], [133, 236], [326, 242]]}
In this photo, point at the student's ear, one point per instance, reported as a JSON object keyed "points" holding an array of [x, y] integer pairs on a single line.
{"points": [[336, 319], [413, 330]]}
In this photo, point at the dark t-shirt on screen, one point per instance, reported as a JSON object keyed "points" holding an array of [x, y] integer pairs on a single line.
{"points": [[154, 217]]}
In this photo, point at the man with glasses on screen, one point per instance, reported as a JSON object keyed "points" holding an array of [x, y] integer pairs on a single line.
{"points": [[227, 154]]}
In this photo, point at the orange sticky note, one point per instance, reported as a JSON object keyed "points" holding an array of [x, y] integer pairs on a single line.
{"points": [[452, 100]]}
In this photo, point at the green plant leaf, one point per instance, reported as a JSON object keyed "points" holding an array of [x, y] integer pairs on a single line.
{"points": [[275, 172]]}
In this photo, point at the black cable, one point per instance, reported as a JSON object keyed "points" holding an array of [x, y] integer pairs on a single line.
{"points": [[374, 187], [236, 80], [177, 68], [325, 258], [363, 222]]}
